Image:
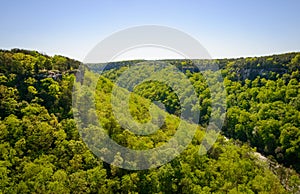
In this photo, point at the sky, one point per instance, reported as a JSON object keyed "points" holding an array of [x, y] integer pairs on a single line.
{"points": [[226, 28]]}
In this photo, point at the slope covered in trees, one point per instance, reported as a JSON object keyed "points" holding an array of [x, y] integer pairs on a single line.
{"points": [[42, 151]]}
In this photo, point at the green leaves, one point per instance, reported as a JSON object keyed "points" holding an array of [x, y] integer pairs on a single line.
{"points": [[41, 150]]}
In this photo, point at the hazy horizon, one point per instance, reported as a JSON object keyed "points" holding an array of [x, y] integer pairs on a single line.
{"points": [[132, 59]]}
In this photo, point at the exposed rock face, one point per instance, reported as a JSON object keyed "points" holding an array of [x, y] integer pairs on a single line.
{"points": [[252, 73]]}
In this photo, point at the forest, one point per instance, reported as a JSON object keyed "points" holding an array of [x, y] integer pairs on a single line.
{"points": [[42, 150]]}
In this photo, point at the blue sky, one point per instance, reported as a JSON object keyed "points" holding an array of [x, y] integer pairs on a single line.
{"points": [[231, 28]]}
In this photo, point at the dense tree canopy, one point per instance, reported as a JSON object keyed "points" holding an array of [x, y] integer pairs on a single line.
{"points": [[42, 151]]}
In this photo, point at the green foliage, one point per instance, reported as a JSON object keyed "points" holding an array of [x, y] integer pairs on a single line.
{"points": [[41, 150]]}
